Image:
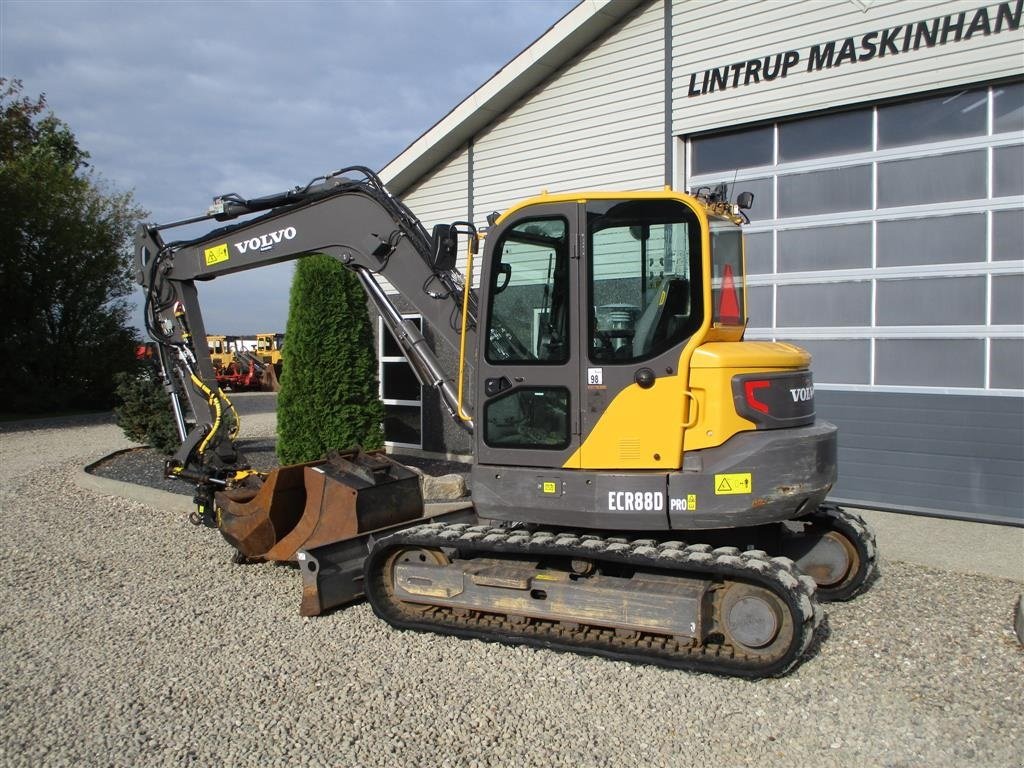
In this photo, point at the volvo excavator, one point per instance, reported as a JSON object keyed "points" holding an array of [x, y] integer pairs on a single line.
{"points": [[646, 485]]}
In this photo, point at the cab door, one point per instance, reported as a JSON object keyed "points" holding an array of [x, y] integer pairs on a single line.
{"points": [[527, 391], [641, 282]]}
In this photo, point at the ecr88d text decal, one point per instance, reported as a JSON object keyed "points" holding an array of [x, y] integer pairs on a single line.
{"points": [[636, 501], [649, 501]]}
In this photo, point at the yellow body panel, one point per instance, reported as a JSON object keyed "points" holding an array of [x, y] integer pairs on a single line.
{"points": [[750, 354], [717, 419], [640, 429], [711, 370], [640, 424]]}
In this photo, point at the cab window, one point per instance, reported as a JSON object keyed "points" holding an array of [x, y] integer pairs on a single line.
{"points": [[529, 314], [644, 261]]}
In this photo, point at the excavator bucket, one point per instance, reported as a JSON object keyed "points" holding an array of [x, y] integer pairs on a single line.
{"points": [[305, 506]]}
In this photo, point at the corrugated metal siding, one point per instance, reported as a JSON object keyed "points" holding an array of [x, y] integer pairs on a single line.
{"points": [[707, 35], [597, 124], [951, 455]]}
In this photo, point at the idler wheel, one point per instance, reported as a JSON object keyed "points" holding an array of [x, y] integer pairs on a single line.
{"points": [[411, 555], [837, 550], [830, 560]]}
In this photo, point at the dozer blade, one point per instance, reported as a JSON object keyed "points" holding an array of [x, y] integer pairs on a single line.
{"points": [[332, 574], [305, 506]]}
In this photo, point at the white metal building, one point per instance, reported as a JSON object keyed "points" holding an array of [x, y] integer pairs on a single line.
{"points": [[884, 143]]}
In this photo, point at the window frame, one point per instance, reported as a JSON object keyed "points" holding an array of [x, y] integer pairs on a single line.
{"points": [[493, 295], [382, 358], [695, 278]]}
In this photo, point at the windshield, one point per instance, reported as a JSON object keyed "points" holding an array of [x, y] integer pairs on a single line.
{"points": [[727, 296]]}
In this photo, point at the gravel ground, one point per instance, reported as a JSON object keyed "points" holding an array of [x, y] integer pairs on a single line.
{"points": [[129, 639]]}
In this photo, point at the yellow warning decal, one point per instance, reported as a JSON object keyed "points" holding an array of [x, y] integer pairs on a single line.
{"points": [[216, 255], [691, 502], [549, 487], [732, 484]]}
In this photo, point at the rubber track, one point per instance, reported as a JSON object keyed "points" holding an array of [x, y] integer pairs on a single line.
{"points": [[778, 574]]}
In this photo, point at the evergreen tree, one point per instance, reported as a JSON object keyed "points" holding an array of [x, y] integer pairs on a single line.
{"points": [[65, 265], [329, 391]]}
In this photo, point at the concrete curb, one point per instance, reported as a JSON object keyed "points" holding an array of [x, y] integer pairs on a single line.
{"points": [[152, 497]]}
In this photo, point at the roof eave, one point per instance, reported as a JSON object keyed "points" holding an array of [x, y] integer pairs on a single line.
{"points": [[566, 38]]}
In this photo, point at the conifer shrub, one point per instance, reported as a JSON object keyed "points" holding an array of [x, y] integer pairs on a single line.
{"points": [[329, 392], [145, 410]]}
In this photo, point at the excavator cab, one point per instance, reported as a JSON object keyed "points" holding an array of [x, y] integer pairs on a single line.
{"points": [[597, 309], [580, 296]]}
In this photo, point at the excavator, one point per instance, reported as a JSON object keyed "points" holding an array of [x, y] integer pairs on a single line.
{"points": [[646, 485]]}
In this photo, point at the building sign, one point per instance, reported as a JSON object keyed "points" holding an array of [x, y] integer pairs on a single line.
{"points": [[893, 41]]}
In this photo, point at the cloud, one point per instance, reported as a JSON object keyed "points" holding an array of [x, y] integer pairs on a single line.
{"points": [[182, 101]]}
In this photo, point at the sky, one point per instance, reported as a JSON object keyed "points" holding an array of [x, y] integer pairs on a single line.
{"points": [[182, 101]]}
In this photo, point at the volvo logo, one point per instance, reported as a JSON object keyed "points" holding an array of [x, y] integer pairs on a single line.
{"points": [[266, 242], [802, 394]]}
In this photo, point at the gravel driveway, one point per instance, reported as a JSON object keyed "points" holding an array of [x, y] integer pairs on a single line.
{"points": [[129, 639]]}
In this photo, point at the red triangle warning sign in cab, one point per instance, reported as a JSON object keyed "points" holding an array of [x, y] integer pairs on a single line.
{"points": [[728, 300]]}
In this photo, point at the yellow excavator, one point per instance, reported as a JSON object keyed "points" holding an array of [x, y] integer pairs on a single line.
{"points": [[646, 485]]}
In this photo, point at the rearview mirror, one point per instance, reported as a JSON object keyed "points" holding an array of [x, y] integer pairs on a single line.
{"points": [[445, 244], [745, 200]]}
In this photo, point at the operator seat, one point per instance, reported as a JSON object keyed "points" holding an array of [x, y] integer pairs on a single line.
{"points": [[661, 318]]}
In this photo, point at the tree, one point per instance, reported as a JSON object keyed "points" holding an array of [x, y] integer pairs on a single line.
{"points": [[65, 265], [329, 392]]}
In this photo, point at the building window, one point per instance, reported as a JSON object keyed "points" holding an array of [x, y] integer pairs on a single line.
{"points": [[1008, 108], [840, 133], [888, 239], [723, 152], [953, 115], [400, 391]]}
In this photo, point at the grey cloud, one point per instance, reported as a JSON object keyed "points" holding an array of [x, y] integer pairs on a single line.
{"points": [[181, 101]]}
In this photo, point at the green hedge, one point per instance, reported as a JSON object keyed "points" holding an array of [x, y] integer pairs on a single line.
{"points": [[329, 393]]}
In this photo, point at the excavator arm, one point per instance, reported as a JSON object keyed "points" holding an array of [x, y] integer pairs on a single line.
{"points": [[356, 221]]}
